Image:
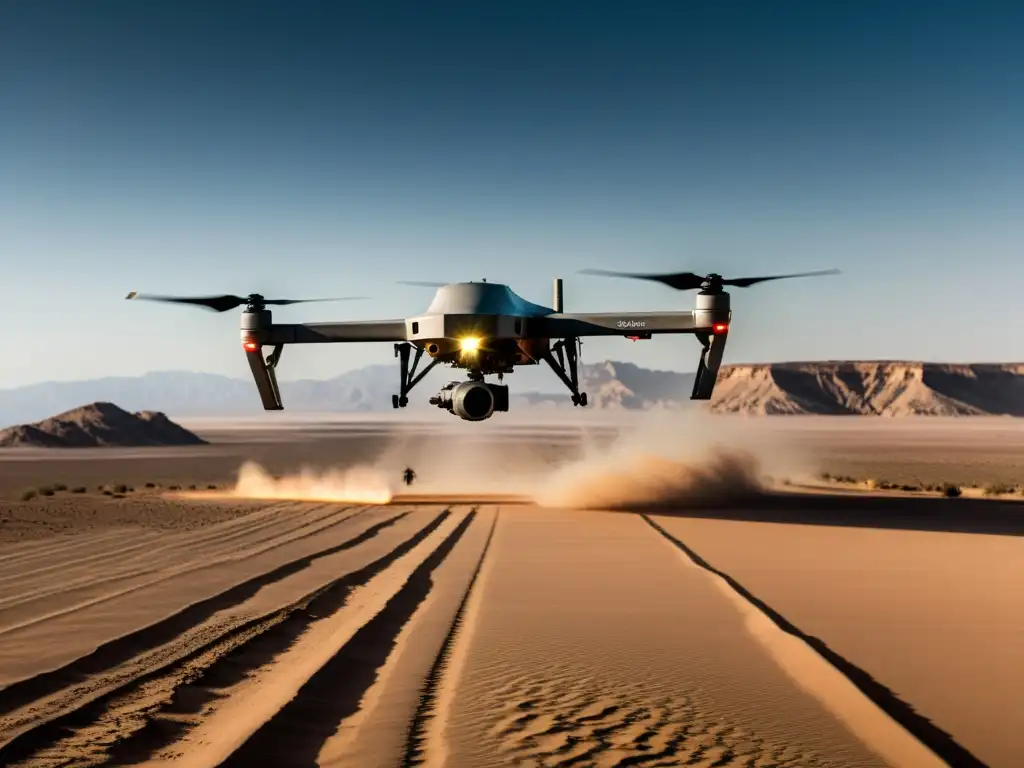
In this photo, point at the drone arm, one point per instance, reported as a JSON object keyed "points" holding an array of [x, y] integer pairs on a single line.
{"points": [[257, 334], [709, 325], [623, 324], [326, 333]]}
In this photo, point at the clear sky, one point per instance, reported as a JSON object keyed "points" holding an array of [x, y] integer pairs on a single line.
{"points": [[302, 149]]}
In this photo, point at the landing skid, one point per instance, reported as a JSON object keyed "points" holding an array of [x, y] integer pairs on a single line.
{"points": [[710, 362], [264, 373], [566, 367], [409, 376]]}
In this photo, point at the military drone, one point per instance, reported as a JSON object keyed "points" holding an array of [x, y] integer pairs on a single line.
{"points": [[487, 329]]}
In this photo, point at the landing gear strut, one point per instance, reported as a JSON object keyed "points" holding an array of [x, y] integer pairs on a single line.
{"points": [[565, 367], [409, 376], [710, 362]]}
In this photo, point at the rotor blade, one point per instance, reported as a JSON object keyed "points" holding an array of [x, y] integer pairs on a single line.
{"points": [[745, 282], [282, 302], [422, 283], [215, 303], [685, 281], [227, 301], [681, 281]]}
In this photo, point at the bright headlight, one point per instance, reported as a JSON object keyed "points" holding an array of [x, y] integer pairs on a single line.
{"points": [[470, 344]]}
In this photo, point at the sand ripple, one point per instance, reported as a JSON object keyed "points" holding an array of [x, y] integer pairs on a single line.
{"points": [[565, 722]]}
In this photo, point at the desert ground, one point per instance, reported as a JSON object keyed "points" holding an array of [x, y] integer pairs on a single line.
{"points": [[683, 592]]}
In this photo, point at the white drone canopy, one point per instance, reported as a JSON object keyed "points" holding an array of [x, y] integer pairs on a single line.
{"points": [[483, 299]]}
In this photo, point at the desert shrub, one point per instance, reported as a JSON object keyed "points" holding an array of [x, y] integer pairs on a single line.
{"points": [[60, 487], [191, 487], [908, 487], [211, 487], [120, 488], [107, 492], [951, 490], [999, 489], [78, 489], [28, 495], [174, 488], [118, 496], [46, 491], [825, 476], [130, 489]]}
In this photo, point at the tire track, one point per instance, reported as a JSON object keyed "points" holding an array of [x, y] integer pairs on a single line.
{"points": [[85, 583], [269, 523], [416, 744], [296, 735], [120, 650], [165, 576], [134, 727], [931, 738], [122, 554], [61, 546], [581, 692], [49, 549]]}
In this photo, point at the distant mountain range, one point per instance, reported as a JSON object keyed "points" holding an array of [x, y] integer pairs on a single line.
{"points": [[364, 390], [883, 388]]}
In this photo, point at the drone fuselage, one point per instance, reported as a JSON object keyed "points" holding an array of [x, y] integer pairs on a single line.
{"points": [[487, 329]]}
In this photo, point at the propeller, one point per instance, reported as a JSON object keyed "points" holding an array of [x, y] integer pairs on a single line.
{"points": [[228, 301], [688, 281]]}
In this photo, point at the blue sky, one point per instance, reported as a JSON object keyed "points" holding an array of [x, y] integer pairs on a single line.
{"points": [[316, 148]]}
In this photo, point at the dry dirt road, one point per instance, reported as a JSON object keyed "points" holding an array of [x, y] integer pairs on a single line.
{"points": [[303, 634]]}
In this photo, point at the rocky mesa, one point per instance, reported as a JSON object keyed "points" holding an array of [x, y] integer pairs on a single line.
{"points": [[96, 425], [872, 388]]}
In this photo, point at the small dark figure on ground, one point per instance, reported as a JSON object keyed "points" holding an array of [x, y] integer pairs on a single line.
{"points": [[408, 475]]}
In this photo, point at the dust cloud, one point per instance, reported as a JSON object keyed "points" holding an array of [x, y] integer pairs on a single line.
{"points": [[649, 479], [676, 459], [357, 485], [654, 458]]}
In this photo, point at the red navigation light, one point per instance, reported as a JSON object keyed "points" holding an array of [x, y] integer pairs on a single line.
{"points": [[250, 346], [720, 328]]}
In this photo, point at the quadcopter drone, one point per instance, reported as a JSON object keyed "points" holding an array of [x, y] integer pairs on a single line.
{"points": [[487, 329]]}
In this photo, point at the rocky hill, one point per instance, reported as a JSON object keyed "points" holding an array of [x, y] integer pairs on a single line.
{"points": [[879, 388], [99, 424]]}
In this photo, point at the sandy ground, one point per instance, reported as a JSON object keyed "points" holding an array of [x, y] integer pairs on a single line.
{"points": [[791, 630], [935, 617]]}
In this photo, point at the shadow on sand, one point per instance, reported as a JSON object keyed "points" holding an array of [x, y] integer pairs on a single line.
{"points": [[911, 513]]}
